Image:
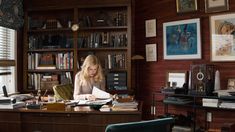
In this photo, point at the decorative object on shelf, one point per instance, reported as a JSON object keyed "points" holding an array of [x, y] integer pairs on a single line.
{"points": [[222, 37], [11, 13], [75, 27], [151, 52], [231, 83], [202, 79], [182, 39], [216, 5], [186, 6], [150, 28], [217, 80], [102, 19]]}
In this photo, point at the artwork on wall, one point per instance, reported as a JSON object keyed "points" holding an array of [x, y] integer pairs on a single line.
{"points": [[222, 37], [150, 28], [151, 52], [186, 6], [216, 5], [11, 13], [182, 39]]}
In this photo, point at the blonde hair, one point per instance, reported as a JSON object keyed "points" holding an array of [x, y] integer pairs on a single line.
{"points": [[91, 60]]}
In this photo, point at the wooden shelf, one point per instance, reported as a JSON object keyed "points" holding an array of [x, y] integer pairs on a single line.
{"points": [[117, 14], [49, 70], [103, 49], [53, 50], [50, 30], [103, 28]]}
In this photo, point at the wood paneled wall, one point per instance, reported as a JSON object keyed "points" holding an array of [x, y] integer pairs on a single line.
{"points": [[152, 74]]}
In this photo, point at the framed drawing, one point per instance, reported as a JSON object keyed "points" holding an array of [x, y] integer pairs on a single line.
{"points": [[186, 5], [182, 39], [216, 5], [231, 83], [150, 28], [222, 37], [151, 52]]}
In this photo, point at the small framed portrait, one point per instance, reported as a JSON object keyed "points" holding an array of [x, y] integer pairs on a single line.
{"points": [[216, 5], [150, 28], [183, 6], [151, 52], [231, 83], [222, 37]]}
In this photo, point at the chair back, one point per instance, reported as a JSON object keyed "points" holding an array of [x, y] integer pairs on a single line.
{"points": [[156, 125], [63, 91]]}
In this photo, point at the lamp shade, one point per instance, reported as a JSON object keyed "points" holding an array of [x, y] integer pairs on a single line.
{"points": [[137, 57]]}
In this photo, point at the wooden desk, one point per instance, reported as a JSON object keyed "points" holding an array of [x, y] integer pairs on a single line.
{"points": [[77, 119]]}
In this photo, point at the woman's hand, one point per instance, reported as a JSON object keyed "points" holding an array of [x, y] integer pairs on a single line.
{"points": [[90, 97]]}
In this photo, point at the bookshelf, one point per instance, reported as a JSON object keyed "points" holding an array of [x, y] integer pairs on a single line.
{"points": [[53, 52]]}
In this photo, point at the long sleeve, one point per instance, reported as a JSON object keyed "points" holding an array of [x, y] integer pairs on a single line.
{"points": [[77, 95]]}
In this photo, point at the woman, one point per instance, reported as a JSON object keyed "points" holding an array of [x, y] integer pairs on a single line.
{"points": [[90, 75]]}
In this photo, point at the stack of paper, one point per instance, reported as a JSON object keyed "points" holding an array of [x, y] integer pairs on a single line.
{"points": [[227, 104], [127, 106]]}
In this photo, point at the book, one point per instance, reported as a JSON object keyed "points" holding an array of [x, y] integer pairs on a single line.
{"points": [[210, 102], [12, 105]]}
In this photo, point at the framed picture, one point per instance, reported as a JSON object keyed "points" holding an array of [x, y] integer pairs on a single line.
{"points": [[231, 83], [151, 52], [182, 39], [150, 28], [222, 37], [216, 5], [186, 6]]}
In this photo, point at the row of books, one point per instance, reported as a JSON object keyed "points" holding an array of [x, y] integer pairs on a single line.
{"points": [[121, 19], [102, 39], [47, 81], [102, 19], [125, 106], [49, 41], [114, 61], [50, 60]]}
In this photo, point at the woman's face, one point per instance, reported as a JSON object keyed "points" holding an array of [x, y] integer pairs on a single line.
{"points": [[92, 70]]}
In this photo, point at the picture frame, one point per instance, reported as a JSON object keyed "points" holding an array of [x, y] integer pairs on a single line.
{"points": [[216, 5], [183, 6], [150, 28], [222, 37], [176, 78], [231, 84], [151, 52], [182, 39]]}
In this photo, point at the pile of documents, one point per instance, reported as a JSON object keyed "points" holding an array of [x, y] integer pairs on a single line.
{"points": [[125, 106], [227, 104]]}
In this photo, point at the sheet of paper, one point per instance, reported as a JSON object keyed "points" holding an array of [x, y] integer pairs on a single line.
{"points": [[100, 94]]}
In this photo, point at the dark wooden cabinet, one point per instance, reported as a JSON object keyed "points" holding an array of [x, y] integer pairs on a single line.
{"points": [[10, 122], [24, 120], [54, 49]]}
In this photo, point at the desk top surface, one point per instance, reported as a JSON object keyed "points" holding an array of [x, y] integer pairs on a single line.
{"points": [[76, 109]]}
